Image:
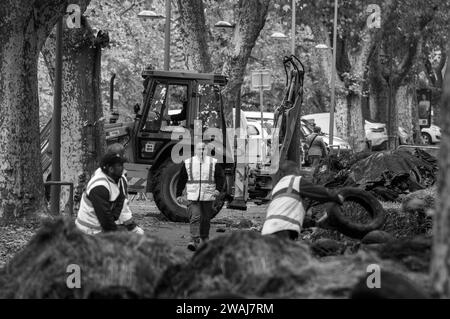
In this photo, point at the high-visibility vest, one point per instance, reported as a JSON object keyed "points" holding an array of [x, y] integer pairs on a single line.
{"points": [[200, 185], [286, 211], [126, 213], [87, 220]]}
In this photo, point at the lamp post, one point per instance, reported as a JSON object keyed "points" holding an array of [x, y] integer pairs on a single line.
{"points": [[167, 36], [56, 122], [282, 36], [333, 72], [152, 15], [294, 13], [333, 75]]}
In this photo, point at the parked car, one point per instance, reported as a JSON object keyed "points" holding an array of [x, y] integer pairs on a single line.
{"points": [[376, 133], [259, 142], [431, 135]]}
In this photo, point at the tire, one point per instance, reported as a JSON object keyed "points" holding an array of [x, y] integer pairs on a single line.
{"points": [[350, 228], [47, 189], [426, 139], [382, 147], [164, 193]]}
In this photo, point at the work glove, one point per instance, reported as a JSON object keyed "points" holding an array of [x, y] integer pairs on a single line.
{"points": [[138, 230], [182, 200]]}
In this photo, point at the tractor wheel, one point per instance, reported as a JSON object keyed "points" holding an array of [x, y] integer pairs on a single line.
{"points": [[47, 189], [164, 193], [426, 139], [349, 226]]}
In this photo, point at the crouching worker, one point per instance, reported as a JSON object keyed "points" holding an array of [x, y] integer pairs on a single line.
{"points": [[286, 213], [204, 180], [126, 216], [103, 200]]}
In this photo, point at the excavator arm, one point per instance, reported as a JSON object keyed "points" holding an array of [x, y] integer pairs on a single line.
{"points": [[286, 136]]}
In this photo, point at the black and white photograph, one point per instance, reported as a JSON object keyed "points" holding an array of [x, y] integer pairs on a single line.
{"points": [[225, 156]]}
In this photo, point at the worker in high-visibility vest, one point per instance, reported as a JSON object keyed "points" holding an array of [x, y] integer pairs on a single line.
{"points": [[286, 213], [103, 200], [126, 216], [204, 180]]}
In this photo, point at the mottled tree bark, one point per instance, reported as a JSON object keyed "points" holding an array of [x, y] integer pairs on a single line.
{"points": [[440, 267], [24, 27], [251, 18], [82, 134], [349, 117], [407, 111], [194, 34]]}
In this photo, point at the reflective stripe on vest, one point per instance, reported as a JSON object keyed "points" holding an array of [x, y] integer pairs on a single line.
{"points": [[288, 191], [200, 185], [286, 211]]}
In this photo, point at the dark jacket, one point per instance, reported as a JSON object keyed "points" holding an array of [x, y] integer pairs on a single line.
{"points": [[108, 212]]}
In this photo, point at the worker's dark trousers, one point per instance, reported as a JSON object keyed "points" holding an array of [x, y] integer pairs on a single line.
{"points": [[315, 164], [200, 219]]}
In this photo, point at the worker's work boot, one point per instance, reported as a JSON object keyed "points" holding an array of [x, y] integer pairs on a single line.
{"points": [[203, 241], [193, 245]]}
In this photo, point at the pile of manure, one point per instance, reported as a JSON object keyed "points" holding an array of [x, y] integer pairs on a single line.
{"points": [[59, 259], [249, 265]]}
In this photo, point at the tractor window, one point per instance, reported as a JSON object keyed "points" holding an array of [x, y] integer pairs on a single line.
{"points": [[209, 108], [175, 114], [156, 111], [252, 130]]}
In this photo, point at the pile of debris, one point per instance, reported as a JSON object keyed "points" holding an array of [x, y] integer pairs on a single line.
{"points": [[241, 264], [385, 174], [60, 258], [246, 264]]}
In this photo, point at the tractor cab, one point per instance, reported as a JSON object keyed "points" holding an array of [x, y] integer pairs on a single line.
{"points": [[172, 103], [178, 108]]}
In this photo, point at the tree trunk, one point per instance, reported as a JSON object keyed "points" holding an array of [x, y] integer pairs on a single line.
{"points": [[342, 115], [25, 26], [356, 133], [193, 31], [251, 18], [379, 97], [358, 61], [82, 134], [21, 185], [440, 267], [406, 110]]}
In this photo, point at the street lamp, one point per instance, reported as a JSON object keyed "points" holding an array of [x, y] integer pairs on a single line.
{"points": [[322, 46], [152, 15], [282, 36], [224, 24], [278, 35]]}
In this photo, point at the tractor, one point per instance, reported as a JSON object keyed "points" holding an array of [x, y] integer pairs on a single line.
{"points": [[174, 103]]}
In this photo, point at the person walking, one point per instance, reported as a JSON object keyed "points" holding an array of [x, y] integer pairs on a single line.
{"points": [[286, 212], [204, 180], [317, 149]]}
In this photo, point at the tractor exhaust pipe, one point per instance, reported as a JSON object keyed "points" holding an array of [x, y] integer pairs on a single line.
{"points": [[114, 115], [111, 92]]}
